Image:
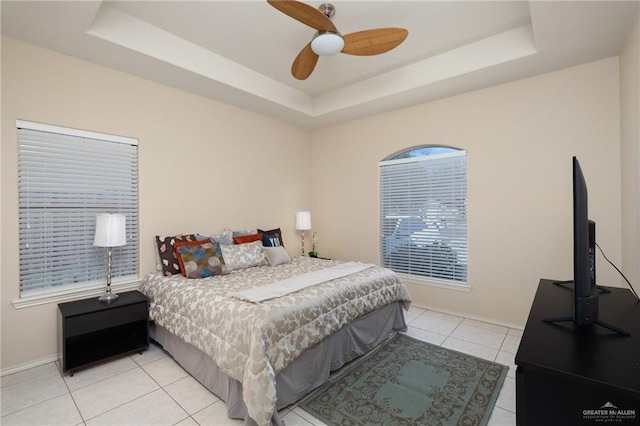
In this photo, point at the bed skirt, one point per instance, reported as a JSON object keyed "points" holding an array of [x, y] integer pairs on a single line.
{"points": [[303, 375]]}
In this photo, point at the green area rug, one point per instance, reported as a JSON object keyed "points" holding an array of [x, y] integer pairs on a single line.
{"points": [[409, 382]]}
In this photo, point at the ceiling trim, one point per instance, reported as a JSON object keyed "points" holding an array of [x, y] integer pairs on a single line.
{"points": [[491, 51], [122, 29]]}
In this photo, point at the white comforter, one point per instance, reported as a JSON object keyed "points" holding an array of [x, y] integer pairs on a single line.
{"points": [[252, 342]]}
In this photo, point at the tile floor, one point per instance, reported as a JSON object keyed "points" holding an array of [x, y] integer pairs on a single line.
{"points": [[151, 389]]}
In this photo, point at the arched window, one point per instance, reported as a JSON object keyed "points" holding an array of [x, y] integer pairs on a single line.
{"points": [[423, 212]]}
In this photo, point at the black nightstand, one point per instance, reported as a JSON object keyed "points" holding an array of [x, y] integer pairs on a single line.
{"points": [[90, 331]]}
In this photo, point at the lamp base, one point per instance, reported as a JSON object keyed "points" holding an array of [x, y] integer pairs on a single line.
{"points": [[108, 297]]}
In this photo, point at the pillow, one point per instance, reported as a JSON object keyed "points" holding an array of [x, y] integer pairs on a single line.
{"points": [[242, 256], [271, 241], [243, 233], [276, 255], [200, 259], [228, 234], [248, 238], [168, 260], [220, 239], [270, 234]]}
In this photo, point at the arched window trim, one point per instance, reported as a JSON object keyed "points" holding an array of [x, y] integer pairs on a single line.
{"points": [[398, 154]]}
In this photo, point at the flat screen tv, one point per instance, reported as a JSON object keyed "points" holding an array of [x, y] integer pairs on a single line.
{"points": [[585, 290], [585, 293]]}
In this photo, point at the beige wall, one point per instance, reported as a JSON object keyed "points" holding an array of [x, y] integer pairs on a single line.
{"points": [[520, 138], [203, 165], [630, 147], [258, 171]]}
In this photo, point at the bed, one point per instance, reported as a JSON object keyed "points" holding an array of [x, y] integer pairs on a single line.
{"points": [[262, 356]]}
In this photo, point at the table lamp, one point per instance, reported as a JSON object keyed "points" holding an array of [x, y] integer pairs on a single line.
{"points": [[110, 232], [303, 223]]}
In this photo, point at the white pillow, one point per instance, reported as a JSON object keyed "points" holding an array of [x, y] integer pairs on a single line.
{"points": [[276, 255], [240, 256]]}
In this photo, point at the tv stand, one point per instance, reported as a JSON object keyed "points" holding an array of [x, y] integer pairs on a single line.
{"points": [[589, 306], [585, 376], [598, 322]]}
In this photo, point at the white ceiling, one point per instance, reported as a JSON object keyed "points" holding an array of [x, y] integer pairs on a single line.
{"points": [[240, 52]]}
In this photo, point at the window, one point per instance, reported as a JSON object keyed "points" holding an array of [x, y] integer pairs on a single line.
{"points": [[65, 178], [423, 213]]}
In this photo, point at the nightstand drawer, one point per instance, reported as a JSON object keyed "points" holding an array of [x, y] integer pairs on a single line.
{"points": [[97, 321]]}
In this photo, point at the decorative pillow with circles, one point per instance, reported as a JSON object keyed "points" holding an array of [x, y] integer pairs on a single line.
{"points": [[168, 260], [241, 256], [200, 259]]}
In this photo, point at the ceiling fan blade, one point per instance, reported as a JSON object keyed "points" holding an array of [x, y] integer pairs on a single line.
{"points": [[304, 13], [304, 63], [373, 42]]}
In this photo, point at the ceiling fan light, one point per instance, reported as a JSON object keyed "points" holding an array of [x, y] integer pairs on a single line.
{"points": [[327, 44]]}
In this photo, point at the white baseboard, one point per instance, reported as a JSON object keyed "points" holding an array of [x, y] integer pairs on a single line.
{"points": [[473, 317], [28, 365]]}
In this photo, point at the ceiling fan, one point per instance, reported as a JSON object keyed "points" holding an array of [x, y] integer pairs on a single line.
{"points": [[328, 41]]}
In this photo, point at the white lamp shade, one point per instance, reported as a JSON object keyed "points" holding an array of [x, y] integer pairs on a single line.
{"points": [[110, 230], [327, 44], [303, 221]]}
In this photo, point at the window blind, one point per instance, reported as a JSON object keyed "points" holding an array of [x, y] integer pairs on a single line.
{"points": [[423, 214], [65, 178]]}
